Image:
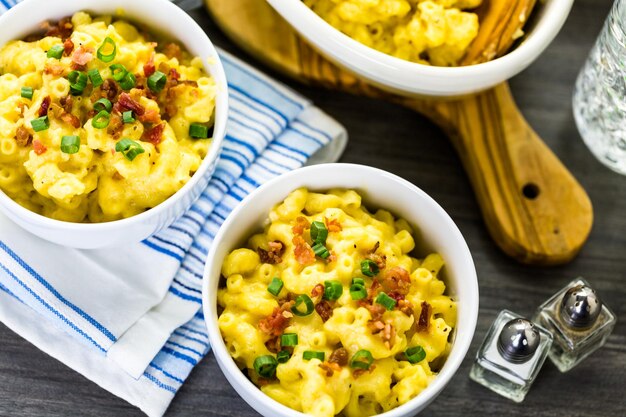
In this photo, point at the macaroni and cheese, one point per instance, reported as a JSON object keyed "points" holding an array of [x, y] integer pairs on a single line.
{"points": [[436, 32], [328, 311], [98, 121]]}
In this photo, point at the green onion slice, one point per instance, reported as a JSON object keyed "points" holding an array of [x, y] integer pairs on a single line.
{"points": [[415, 354], [369, 268], [78, 82], [27, 92], [319, 232], [118, 72], [308, 304], [106, 52], [102, 104], [307, 355], [276, 285], [332, 290], [386, 301], [265, 366], [129, 148], [127, 117], [128, 82], [95, 77], [101, 120], [40, 124], [70, 144], [357, 292], [289, 340], [56, 52], [320, 250], [363, 359], [198, 131], [156, 82], [283, 356], [358, 281]]}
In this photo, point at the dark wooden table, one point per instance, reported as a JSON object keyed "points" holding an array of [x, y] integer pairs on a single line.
{"points": [[395, 139]]}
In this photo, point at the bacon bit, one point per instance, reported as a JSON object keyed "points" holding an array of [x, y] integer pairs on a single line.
{"points": [[330, 368], [273, 256], [174, 75], [154, 135], [116, 125], [82, 56], [405, 306], [424, 319], [39, 147], [150, 116], [117, 176], [149, 67], [170, 109], [54, 69], [325, 310], [109, 88], [300, 226], [172, 50], [127, 102], [376, 311], [380, 260], [331, 258], [261, 382], [45, 105], [373, 291], [333, 225], [68, 46], [388, 335], [302, 251], [23, 136], [273, 344], [70, 119], [22, 107], [63, 29], [339, 356], [317, 290], [275, 323], [358, 372], [67, 103], [397, 280]]}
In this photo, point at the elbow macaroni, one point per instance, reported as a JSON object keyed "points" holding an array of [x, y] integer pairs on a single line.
{"points": [[433, 32], [98, 184], [304, 385]]}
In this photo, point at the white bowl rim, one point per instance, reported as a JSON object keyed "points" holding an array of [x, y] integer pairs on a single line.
{"points": [[215, 69], [460, 346], [343, 48]]}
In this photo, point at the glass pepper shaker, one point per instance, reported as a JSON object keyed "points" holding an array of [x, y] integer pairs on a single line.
{"points": [[511, 356], [579, 321]]}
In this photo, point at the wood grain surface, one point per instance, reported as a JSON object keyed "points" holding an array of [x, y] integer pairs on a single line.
{"points": [[396, 139], [534, 208]]}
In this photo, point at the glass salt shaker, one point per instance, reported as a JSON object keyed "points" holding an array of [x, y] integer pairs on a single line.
{"points": [[599, 99], [579, 322], [511, 356]]}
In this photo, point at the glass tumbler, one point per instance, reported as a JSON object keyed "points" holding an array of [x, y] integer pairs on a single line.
{"points": [[600, 95]]}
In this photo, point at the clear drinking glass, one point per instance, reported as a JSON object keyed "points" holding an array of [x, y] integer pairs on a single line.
{"points": [[600, 95]]}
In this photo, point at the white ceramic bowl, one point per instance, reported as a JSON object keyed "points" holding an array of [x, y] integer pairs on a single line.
{"points": [[171, 21], [435, 232], [407, 78]]}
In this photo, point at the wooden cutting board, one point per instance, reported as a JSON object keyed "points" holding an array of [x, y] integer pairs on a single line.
{"points": [[534, 208]]}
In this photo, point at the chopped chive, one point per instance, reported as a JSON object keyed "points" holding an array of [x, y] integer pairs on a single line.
{"points": [[102, 104], [319, 232], [307, 355], [128, 82], [308, 304], [415, 354], [127, 117], [384, 300], [198, 131], [265, 366], [357, 289], [320, 250], [95, 77], [56, 52], [129, 148], [363, 359], [369, 268], [101, 120], [106, 52], [70, 144], [27, 92], [289, 340], [78, 82], [118, 71], [332, 290], [275, 286], [40, 124], [156, 82], [283, 356]]}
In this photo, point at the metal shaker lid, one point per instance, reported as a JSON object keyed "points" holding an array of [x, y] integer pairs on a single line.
{"points": [[518, 341], [580, 307]]}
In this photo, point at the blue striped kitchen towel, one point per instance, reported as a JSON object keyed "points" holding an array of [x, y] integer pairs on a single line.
{"points": [[129, 319]]}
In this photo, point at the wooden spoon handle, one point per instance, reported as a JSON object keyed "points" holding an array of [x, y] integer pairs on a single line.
{"points": [[534, 208]]}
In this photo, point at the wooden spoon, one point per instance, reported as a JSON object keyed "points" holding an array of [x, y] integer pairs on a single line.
{"points": [[534, 208]]}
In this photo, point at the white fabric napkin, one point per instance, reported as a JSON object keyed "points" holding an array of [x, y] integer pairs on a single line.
{"points": [[129, 318]]}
